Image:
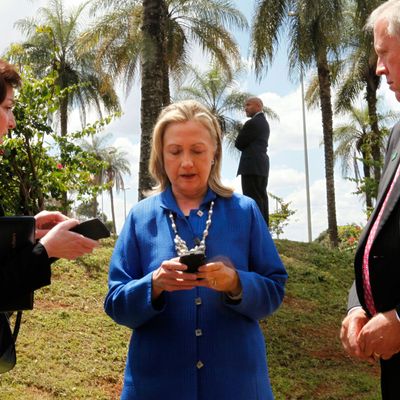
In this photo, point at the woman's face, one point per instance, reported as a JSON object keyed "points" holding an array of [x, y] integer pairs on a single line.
{"points": [[7, 120], [188, 154]]}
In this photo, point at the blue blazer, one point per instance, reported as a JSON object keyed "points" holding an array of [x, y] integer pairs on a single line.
{"points": [[196, 344]]}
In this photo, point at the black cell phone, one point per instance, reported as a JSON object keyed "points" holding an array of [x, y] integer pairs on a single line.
{"points": [[193, 260], [92, 228]]}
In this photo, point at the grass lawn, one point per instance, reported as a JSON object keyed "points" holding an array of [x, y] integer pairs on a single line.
{"points": [[69, 349]]}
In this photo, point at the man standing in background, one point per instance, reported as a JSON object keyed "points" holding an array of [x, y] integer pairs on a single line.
{"points": [[252, 141]]}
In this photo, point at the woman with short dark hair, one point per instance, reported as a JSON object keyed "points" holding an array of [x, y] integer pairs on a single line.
{"points": [[30, 268]]}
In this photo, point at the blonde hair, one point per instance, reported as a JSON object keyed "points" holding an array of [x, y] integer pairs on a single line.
{"points": [[183, 111]]}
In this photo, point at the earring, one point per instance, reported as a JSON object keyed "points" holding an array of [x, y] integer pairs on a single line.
{"points": [[212, 162]]}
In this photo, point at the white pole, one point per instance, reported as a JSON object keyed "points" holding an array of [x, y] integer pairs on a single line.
{"points": [[306, 160]]}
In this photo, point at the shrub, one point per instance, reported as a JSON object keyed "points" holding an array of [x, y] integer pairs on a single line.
{"points": [[348, 237]]}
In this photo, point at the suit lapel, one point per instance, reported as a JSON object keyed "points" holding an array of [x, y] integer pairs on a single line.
{"points": [[391, 163], [394, 196]]}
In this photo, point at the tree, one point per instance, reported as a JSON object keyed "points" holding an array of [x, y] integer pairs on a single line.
{"points": [[359, 73], [221, 93], [52, 44], [218, 91], [152, 83], [155, 37], [113, 163], [355, 141], [117, 165], [310, 44], [32, 174], [118, 37], [279, 219], [99, 148], [355, 74]]}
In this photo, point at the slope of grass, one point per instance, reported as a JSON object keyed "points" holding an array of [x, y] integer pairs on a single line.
{"points": [[305, 354], [69, 349]]}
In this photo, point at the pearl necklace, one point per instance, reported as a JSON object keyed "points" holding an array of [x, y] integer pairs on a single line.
{"points": [[181, 246]]}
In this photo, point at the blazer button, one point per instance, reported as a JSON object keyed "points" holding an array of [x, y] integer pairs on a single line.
{"points": [[199, 364]]}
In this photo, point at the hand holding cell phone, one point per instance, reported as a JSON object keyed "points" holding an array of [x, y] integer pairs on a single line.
{"points": [[92, 228], [193, 260]]}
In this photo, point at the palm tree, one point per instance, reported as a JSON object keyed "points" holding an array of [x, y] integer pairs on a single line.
{"points": [[156, 36], [356, 74], [152, 83], [52, 44], [360, 76], [118, 37], [355, 141], [117, 165], [221, 93], [99, 148], [311, 44]]}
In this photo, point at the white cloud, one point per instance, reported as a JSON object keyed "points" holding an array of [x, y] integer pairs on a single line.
{"points": [[349, 209], [282, 178], [287, 133]]}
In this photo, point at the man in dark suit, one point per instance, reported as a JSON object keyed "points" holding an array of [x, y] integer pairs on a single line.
{"points": [[252, 141], [371, 330]]}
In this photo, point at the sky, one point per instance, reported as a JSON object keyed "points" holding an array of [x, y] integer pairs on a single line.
{"points": [[286, 151]]}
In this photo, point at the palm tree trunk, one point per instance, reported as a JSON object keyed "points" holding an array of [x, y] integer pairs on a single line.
{"points": [[64, 131], [165, 65], [166, 92], [372, 87], [37, 192], [112, 210], [95, 211], [152, 84], [64, 115], [327, 126], [367, 179]]}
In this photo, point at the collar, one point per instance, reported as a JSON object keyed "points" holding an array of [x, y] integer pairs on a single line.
{"points": [[168, 201], [255, 115]]}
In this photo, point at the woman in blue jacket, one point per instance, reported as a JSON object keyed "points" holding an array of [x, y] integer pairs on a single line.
{"points": [[196, 334]]}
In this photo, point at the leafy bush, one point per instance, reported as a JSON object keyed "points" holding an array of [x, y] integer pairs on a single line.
{"points": [[280, 218], [37, 165], [348, 237]]}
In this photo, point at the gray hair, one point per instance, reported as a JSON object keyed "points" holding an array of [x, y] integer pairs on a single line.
{"points": [[389, 12]]}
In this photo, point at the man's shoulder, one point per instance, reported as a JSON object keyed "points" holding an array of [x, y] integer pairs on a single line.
{"points": [[260, 120], [396, 127], [256, 119], [395, 134]]}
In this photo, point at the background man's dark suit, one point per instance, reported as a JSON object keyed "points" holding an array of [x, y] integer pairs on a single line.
{"points": [[384, 258], [252, 141]]}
